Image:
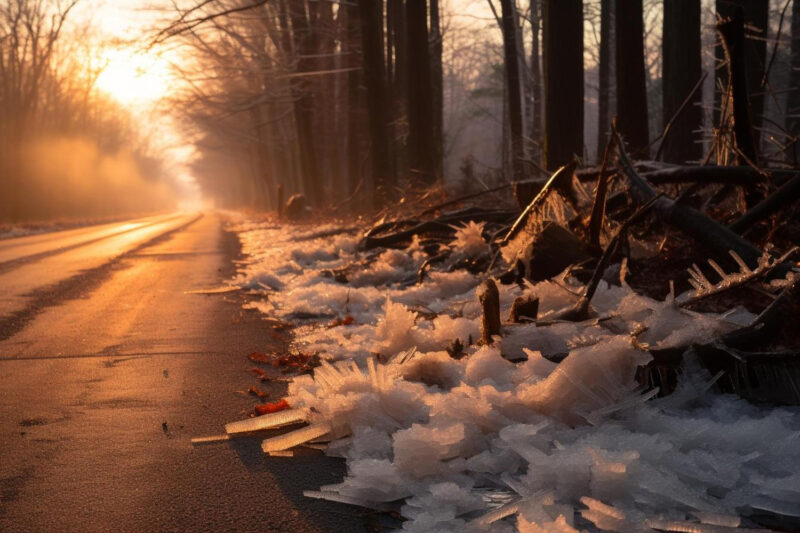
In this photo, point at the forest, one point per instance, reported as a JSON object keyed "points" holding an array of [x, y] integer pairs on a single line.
{"points": [[356, 103]]}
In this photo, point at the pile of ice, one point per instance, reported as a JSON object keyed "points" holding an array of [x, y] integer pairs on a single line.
{"points": [[482, 443]]}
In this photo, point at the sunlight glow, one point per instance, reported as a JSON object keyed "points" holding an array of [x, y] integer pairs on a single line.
{"points": [[133, 78]]}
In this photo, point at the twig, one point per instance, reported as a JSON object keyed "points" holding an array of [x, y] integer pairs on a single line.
{"points": [[775, 46], [695, 224], [599, 206], [580, 311], [668, 127], [554, 182], [705, 289]]}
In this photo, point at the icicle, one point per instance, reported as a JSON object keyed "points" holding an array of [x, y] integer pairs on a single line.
{"points": [[338, 498], [496, 514], [270, 421], [295, 438]]}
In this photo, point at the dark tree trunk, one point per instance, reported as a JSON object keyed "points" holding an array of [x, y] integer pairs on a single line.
{"points": [[793, 102], [731, 30], [437, 83], [563, 81], [682, 71], [375, 79], [304, 101], [399, 84], [399, 26], [756, 19], [604, 78], [329, 155], [536, 81], [354, 101], [421, 154], [513, 88], [631, 83]]}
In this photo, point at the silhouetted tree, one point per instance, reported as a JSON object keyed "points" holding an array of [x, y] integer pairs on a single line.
{"points": [[437, 86], [563, 80], [631, 82], [681, 73], [421, 152], [756, 20], [536, 80], [371, 12], [513, 87], [604, 77], [793, 106]]}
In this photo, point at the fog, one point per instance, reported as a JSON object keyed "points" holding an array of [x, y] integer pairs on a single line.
{"points": [[68, 149], [72, 178]]}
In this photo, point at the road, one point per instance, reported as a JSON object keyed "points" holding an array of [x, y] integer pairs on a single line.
{"points": [[108, 367]]}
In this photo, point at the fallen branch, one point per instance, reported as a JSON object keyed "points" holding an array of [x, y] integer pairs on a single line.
{"points": [[556, 181], [705, 289], [707, 231], [599, 206], [580, 311], [712, 174], [783, 197]]}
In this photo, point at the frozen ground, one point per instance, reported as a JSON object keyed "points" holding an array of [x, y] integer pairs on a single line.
{"points": [[486, 444]]}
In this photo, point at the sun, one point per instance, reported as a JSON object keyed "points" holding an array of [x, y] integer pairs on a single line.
{"points": [[134, 78]]}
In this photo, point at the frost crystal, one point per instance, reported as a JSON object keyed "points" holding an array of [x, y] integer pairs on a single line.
{"points": [[483, 444]]}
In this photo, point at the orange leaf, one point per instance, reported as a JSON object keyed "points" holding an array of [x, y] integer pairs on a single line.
{"points": [[267, 408]]}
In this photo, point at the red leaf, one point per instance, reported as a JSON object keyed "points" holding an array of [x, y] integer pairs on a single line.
{"points": [[267, 408]]}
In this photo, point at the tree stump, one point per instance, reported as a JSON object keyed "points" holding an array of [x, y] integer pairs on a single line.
{"points": [[489, 297]]}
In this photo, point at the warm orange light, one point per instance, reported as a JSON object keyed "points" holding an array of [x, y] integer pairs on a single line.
{"points": [[133, 78]]}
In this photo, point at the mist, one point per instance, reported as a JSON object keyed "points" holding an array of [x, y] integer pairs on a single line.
{"points": [[68, 150], [71, 177]]}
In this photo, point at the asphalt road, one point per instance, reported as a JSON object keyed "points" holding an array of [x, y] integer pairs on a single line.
{"points": [[108, 368]]}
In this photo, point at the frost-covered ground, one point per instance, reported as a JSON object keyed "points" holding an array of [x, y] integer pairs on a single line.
{"points": [[482, 443]]}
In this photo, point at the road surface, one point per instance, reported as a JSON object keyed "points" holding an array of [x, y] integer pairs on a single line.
{"points": [[108, 367]]}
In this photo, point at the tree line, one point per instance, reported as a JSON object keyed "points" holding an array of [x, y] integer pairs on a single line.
{"points": [[344, 100]]}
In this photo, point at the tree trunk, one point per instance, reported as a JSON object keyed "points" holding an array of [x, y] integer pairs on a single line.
{"points": [[536, 83], [421, 158], [354, 102], [604, 70], [437, 82], [513, 88], [304, 101], [731, 30], [563, 81], [756, 19], [793, 102], [399, 91], [375, 78], [631, 84], [681, 72]]}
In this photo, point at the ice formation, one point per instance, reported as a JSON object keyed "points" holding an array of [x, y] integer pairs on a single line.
{"points": [[481, 443]]}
